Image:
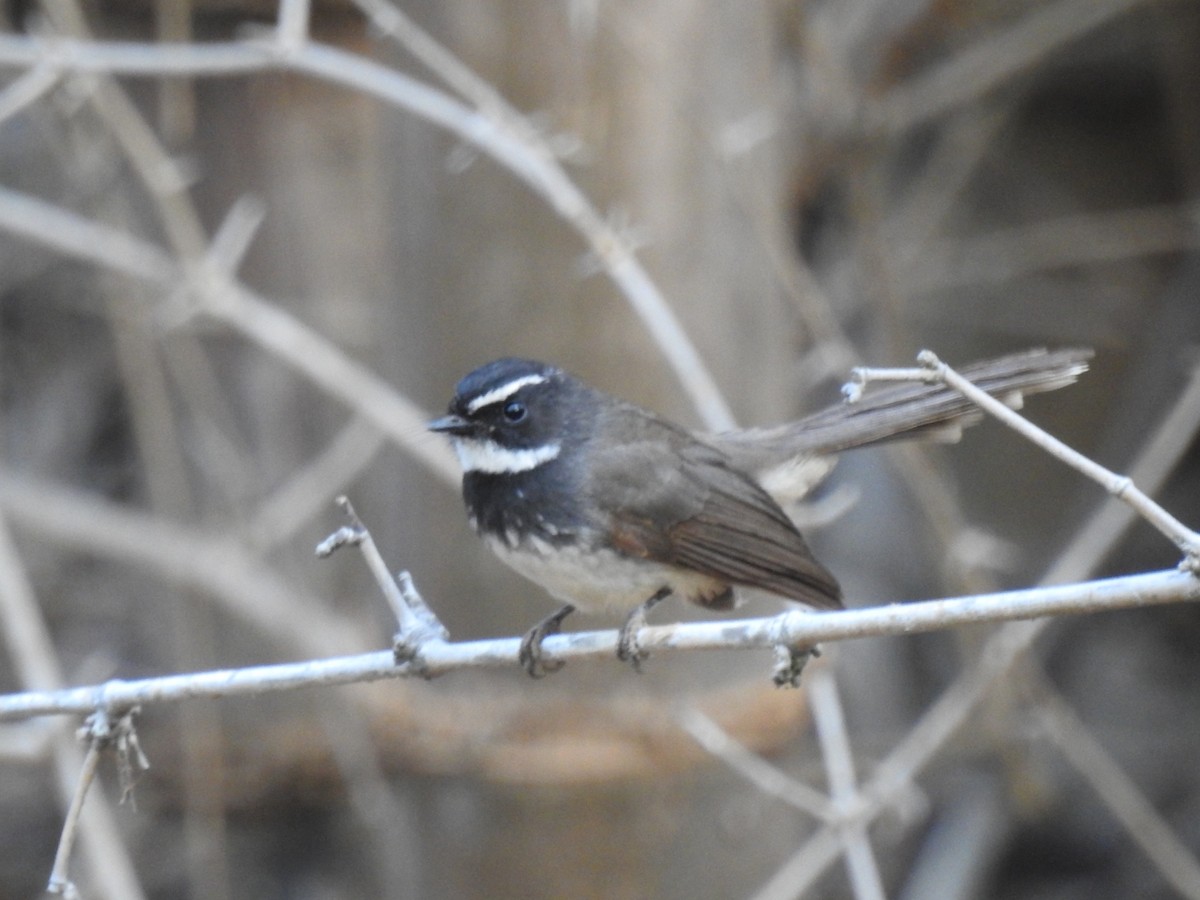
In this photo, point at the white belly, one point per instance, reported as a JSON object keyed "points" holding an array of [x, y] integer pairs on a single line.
{"points": [[603, 581]]}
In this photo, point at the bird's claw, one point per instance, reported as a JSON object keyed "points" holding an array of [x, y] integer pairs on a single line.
{"points": [[530, 654], [629, 648]]}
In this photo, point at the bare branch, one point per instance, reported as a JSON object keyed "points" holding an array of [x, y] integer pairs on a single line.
{"points": [[1148, 829], [766, 777], [839, 764], [27, 89], [76, 236], [245, 587], [37, 664], [306, 493], [418, 625], [292, 27], [202, 274], [226, 300], [987, 64], [1078, 240], [539, 171], [59, 882], [1119, 486], [790, 628], [1157, 460]]}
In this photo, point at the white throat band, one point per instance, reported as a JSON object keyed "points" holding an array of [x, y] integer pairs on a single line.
{"points": [[477, 455]]}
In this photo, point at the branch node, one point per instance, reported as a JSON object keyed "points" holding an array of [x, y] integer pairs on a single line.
{"points": [[100, 731], [418, 625], [103, 731], [1119, 486], [929, 360], [790, 663], [931, 370], [427, 622], [421, 628], [348, 535]]}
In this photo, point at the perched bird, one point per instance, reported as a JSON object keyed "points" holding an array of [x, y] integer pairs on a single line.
{"points": [[612, 508]]}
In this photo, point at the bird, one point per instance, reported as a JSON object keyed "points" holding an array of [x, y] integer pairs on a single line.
{"points": [[612, 508]]}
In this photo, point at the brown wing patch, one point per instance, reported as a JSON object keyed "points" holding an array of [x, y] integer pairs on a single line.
{"points": [[742, 536], [631, 539], [677, 501]]}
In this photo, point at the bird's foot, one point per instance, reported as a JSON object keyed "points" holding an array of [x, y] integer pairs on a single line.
{"points": [[629, 649], [530, 655]]}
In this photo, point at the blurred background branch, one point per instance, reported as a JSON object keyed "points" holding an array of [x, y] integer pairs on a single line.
{"points": [[776, 191]]}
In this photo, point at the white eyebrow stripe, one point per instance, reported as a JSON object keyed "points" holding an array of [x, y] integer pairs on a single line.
{"points": [[489, 457], [506, 390]]}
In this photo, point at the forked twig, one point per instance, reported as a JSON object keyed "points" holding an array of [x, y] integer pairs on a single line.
{"points": [[418, 625], [1120, 486], [101, 732]]}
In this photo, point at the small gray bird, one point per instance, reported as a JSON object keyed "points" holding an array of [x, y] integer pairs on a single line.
{"points": [[612, 508]]}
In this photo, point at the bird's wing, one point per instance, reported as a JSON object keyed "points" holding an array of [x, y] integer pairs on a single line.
{"points": [[679, 502]]}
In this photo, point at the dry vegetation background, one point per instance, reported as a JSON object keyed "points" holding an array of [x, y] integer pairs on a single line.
{"points": [[810, 185]]}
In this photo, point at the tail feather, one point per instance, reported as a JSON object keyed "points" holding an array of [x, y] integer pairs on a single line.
{"points": [[903, 411]]}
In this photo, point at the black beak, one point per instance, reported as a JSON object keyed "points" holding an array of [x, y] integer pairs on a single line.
{"points": [[451, 424]]}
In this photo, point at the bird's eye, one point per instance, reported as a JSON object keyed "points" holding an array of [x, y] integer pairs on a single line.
{"points": [[515, 411]]}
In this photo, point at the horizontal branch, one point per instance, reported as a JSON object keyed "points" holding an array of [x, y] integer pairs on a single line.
{"points": [[794, 628]]}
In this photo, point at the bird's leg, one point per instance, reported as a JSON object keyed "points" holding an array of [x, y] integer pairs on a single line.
{"points": [[530, 654], [628, 648]]}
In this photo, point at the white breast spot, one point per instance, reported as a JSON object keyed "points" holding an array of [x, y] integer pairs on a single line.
{"points": [[599, 581]]}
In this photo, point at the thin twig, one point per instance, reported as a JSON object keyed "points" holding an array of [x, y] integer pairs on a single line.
{"points": [[1092, 238], [1159, 456], [294, 5], [839, 764], [27, 89], [292, 27], [767, 778], [59, 882], [511, 149], [306, 492], [72, 234], [985, 65], [36, 662], [794, 877], [228, 301], [326, 366], [1119, 486], [233, 237], [1001, 652], [894, 777], [246, 587], [103, 732], [417, 623], [611, 247], [1148, 829], [1003, 649]]}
